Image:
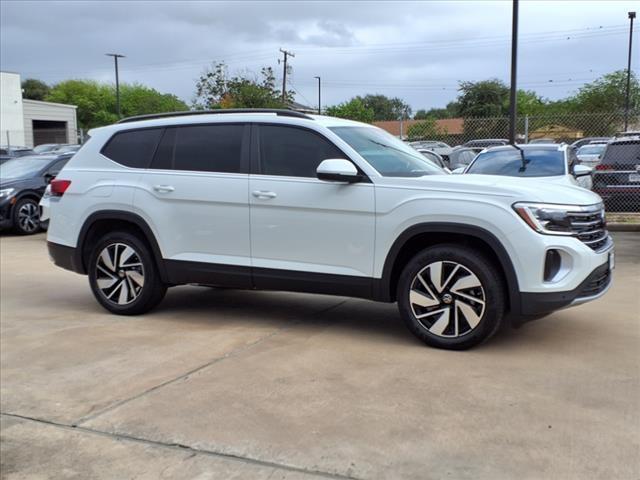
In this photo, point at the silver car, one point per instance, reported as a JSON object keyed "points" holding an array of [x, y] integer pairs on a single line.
{"points": [[591, 154]]}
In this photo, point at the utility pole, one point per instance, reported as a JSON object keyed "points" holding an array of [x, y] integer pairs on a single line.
{"points": [[116, 56], [319, 97], [514, 69], [632, 15], [284, 74]]}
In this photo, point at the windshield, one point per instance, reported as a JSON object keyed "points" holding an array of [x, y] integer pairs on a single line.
{"points": [[384, 152], [591, 150], [538, 163], [22, 168], [44, 148]]}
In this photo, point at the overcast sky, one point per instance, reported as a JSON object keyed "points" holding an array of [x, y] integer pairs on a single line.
{"points": [[415, 50]]}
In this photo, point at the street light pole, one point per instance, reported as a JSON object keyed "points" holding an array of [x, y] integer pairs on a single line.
{"points": [[319, 97], [116, 56], [632, 15], [514, 61]]}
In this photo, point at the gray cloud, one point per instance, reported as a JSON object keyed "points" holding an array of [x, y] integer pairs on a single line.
{"points": [[414, 50]]}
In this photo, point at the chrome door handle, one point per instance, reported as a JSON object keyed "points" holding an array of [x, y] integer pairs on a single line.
{"points": [[163, 188], [264, 194]]}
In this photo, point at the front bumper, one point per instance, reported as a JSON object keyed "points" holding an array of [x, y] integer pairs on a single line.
{"points": [[5, 214], [594, 286]]}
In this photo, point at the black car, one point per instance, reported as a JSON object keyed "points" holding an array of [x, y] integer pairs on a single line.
{"points": [[617, 177], [22, 183], [8, 153]]}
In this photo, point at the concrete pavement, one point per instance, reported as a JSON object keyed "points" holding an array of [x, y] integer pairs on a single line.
{"points": [[234, 384]]}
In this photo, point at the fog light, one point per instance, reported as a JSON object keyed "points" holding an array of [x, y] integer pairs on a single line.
{"points": [[551, 265]]}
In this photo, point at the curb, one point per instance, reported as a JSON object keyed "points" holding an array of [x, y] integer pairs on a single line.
{"points": [[623, 227]]}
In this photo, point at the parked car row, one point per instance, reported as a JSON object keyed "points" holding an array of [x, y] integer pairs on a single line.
{"points": [[23, 182]]}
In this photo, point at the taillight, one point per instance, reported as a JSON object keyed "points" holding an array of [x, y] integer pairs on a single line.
{"points": [[58, 187], [604, 167]]}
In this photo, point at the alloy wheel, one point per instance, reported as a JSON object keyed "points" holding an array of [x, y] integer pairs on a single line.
{"points": [[447, 299], [28, 217], [119, 273]]}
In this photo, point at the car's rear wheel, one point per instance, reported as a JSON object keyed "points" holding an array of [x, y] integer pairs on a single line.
{"points": [[26, 217], [451, 297], [123, 275]]}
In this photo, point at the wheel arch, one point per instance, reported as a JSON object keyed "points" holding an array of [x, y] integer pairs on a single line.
{"points": [[421, 236], [102, 222]]}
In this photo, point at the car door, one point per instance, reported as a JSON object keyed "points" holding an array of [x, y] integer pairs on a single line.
{"points": [[302, 224], [195, 194]]}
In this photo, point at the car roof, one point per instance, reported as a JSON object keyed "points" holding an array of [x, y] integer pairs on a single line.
{"points": [[213, 117]]}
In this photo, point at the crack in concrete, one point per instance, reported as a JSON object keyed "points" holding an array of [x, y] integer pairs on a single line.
{"points": [[182, 447], [184, 376]]}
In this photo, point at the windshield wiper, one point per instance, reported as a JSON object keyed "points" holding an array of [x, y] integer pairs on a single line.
{"points": [[397, 149], [523, 167]]}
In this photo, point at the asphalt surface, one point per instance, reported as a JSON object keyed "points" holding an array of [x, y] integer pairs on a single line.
{"points": [[219, 384]]}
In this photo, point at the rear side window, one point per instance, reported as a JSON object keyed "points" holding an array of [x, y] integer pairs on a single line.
{"points": [[133, 148], [201, 148], [625, 153], [293, 152]]}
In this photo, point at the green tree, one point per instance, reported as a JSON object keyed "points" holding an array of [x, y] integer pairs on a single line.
{"points": [[486, 98], [136, 99], [96, 101], [34, 89], [427, 129], [215, 90], [452, 110], [354, 109], [528, 103], [385, 108], [421, 115], [606, 94]]}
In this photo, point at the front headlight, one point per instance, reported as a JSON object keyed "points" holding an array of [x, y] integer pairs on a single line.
{"points": [[547, 218], [6, 192]]}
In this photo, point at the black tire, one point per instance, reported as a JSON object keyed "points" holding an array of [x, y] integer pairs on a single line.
{"points": [[29, 224], [127, 272], [469, 321]]}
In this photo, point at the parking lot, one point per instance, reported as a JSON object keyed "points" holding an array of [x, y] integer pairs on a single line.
{"points": [[239, 384]]}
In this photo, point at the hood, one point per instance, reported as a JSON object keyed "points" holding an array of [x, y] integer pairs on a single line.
{"points": [[558, 189], [17, 183]]}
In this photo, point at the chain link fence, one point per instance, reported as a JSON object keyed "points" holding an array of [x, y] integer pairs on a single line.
{"points": [[599, 142]]}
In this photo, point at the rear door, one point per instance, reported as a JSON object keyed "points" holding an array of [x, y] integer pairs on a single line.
{"points": [[195, 197], [302, 224]]}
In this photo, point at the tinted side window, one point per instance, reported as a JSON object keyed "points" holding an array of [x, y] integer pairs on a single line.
{"points": [[201, 148], [627, 153], [293, 152], [134, 148], [56, 167]]}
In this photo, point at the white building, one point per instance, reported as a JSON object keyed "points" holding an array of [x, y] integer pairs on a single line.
{"points": [[29, 123]]}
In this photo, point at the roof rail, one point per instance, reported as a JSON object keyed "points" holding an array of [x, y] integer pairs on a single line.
{"points": [[278, 111]]}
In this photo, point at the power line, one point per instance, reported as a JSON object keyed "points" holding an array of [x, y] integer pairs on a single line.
{"points": [[478, 42]]}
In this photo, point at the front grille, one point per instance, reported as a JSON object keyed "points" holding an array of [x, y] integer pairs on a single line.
{"points": [[590, 227], [596, 284]]}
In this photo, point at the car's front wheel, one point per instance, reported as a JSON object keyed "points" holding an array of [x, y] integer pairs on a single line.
{"points": [[123, 275], [26, 216], [451, 297]]}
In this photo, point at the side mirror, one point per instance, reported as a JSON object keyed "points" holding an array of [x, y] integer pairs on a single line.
{"points": [[50, 176], [458, 170], [582, 171], [338, 170]]}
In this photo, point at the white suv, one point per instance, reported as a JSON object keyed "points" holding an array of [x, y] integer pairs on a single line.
{"points": [[284, 201]]}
